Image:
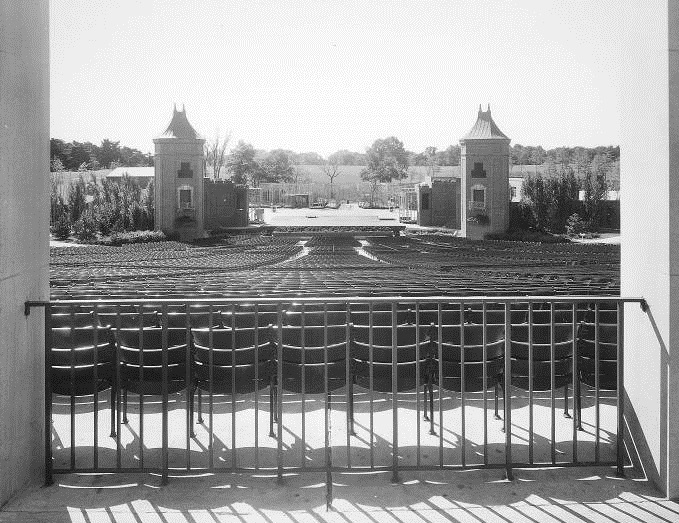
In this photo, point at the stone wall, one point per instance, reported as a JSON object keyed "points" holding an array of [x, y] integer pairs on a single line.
{"points": [[438, 204], [225, 204]]}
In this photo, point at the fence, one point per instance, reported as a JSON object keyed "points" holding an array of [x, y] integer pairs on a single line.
{"points": [[334, 367]]}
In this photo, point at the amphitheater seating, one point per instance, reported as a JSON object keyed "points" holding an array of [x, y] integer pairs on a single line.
{"points": [[233, 361], [75, 358], [141, 361], [461, 350]]}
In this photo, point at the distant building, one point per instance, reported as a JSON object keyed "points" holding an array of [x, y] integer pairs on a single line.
{"points": [[484, 168], [178, 178], [140, 175]]}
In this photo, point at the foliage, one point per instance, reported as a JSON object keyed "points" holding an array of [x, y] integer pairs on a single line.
{"points": [[61, 228], [276, 166], [575, 225], [344, 157], [551, 200], [332, 170], [71, 155], [103, 207], [387, 161], [479, 218], [595, 186], [241, 164], [124, 238], [85, 228], [215, 153], [521, 235]]}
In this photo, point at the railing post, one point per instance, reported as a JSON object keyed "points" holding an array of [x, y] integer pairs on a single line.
{"points": [[49, 480], [164, 390], [507, 394], [279, 388], [394, 391], [620, 440]]}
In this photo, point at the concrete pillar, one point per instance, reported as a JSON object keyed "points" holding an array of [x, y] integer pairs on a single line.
{"points": [[649, 172], [24, 237]]}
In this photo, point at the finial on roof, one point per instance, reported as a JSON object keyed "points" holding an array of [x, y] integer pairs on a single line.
{"points": [[489, 108], [183, 108], [480, 110], [175, 107]]}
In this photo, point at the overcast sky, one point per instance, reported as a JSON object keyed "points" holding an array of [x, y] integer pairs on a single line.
{"points": [[320, 76]]}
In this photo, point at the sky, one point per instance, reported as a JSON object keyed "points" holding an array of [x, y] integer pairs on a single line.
{"points": [[328, 75]]}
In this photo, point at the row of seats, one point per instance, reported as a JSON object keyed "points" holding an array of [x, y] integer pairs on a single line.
{"points": [[226, 361]]}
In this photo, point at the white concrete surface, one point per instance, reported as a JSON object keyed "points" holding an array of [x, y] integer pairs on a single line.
{"points": [[548, 495], [650, 229], [24, 237], [347, 214]]}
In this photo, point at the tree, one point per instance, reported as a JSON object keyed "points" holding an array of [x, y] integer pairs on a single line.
{"points": [[309, 159], [108, 153], [387, 161], [331, 170], [276, 166], [595, 186], [241, 164], [215, 153], [344, 157]]}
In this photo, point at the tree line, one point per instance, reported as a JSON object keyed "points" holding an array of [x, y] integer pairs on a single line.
{"points": [[86, 156], [552, 202]]}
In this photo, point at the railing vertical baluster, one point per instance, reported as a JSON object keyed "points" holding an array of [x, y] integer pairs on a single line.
{"points": [[140, 312], [596, 382], [576, 378], [620, 392], [394, 391], [328, 421], [95, 378], [552, 378], [279, 388], [417, 379], [189, 386], [164, 389], [463, 448], [72, 391], [507, 392], [210, 357], [302, 324], [49, 479], [440, 383], [119, 393], [484, 361], [347, 378], [371, 384], [234, 463], [531, 377], [257, 378]]}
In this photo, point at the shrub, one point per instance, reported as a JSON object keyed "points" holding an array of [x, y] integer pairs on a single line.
{"points": [[519, 235], [62, 228], [124, 238], [575, 225], [480, 218], [85, 228]]}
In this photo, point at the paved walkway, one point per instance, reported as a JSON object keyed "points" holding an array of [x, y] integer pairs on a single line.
{"points": [[546, 495]]}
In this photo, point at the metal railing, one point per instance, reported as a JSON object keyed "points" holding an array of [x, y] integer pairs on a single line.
{"points": [[365, 351]]}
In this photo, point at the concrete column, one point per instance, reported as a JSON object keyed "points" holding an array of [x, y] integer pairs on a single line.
{"points": [[649, 171], [24, 237]]}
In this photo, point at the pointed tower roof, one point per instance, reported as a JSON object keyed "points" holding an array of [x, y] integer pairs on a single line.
{"points": [[485, 128], [180, 127]]}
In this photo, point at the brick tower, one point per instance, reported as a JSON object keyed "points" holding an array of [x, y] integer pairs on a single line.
{"points": [[179, 179], [484, 171]]}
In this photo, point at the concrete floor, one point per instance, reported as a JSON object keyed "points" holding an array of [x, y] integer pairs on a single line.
{"points": [[544, 495], [549, 494]]}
